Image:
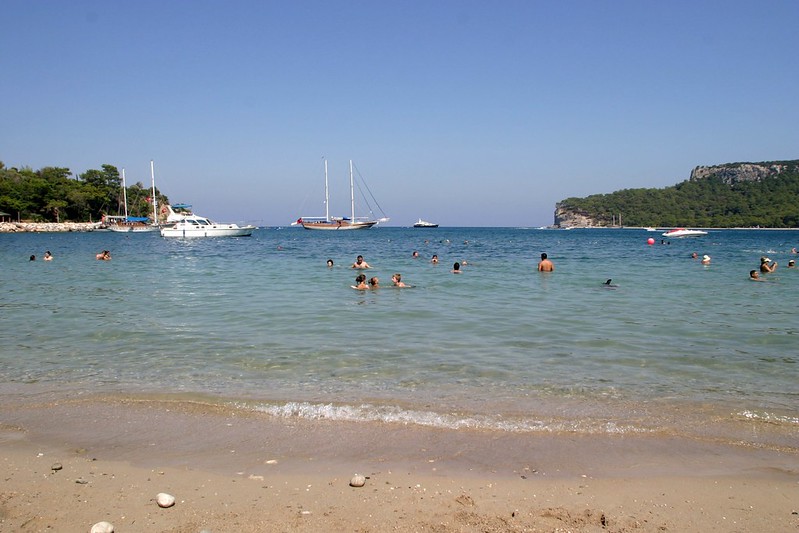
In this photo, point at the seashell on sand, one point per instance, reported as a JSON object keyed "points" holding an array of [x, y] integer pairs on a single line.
{"points": [[165, 500], [56, 467], [357, 481], [103, 527]]}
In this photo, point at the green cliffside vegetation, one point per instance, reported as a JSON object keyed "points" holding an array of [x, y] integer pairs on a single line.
{"points": [[51, 195], [724, 196]]}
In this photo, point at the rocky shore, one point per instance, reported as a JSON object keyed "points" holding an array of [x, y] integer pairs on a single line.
{"points": [[47, 227]]}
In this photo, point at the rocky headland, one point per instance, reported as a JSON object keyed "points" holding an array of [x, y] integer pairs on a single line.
{"points": [[727, 195]]}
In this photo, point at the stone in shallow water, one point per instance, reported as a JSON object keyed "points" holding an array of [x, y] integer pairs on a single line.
{"points": [[165, 500], [103, 527], [357, 481]]}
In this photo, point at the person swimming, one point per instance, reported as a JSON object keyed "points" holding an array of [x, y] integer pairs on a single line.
{"points": [[360, 283], [396, 279], [360, 263]]}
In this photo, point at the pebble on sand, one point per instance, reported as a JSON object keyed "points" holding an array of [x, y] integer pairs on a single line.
{"points": [[56, 467], [165, 500], [103, 527], [357, 481]]}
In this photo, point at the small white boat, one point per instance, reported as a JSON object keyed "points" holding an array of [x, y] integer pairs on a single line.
{"points": [[425, 224], [650, 228], [340, 223], [678, 233], [185, 224]]}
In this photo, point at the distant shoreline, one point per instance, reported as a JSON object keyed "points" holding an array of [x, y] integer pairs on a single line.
{"points": [[667, 228], [62, 227]]}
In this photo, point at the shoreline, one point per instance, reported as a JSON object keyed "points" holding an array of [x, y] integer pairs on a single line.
{"points": [[48, 227], [251, 472]]}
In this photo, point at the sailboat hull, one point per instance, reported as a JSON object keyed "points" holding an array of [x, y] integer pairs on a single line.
{"points": [[132, 228], [338, 225]]}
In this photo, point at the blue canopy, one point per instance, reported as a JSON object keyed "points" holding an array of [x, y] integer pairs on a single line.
{"points": [[137, 219]]}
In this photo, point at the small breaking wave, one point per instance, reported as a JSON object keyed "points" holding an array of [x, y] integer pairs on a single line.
{"points": [[771, 418], [397, 415]]}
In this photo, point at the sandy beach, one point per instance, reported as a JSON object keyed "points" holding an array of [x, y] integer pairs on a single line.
{"points": [[69, 464]]}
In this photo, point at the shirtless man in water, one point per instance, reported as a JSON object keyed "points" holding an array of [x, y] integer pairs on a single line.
{"points": [[545, 265], [360, 263]]}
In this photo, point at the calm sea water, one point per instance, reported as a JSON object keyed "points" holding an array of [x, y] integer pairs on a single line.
{"points": [[264, 324]]}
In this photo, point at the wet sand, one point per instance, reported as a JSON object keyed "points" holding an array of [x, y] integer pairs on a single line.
{"points": [[236, 471]]}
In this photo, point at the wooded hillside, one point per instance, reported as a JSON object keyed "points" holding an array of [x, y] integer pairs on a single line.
{"points": [[724, 196], [52, 195]]}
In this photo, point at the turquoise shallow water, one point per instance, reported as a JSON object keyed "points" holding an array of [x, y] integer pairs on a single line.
{"points": [[677, 347]]}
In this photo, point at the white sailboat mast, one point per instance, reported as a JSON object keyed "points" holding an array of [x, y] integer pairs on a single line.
{"points": [[352, 195], [155, 202], [327, 196], [124, 195]]}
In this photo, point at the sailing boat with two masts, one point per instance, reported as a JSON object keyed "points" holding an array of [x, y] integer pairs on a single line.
{"points": [[129, 224], [340, 223]]}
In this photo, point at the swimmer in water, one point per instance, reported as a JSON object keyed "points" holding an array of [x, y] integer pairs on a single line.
{"points": [[360, 283], [396, 279]]}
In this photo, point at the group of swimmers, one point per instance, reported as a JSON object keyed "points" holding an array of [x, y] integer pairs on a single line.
{"points": [[47, 256], [767, 266], [105, 255], [374, 282], [361, 283]]}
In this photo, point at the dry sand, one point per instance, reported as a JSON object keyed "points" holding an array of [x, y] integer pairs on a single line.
{"points": [[231, 472]]}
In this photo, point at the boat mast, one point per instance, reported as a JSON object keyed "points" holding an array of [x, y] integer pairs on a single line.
{"points": [[124, 195], [327, 197], [155, 202], [352, 195]]}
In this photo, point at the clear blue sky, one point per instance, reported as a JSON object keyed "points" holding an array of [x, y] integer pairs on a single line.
{"points": [[462, 112]]}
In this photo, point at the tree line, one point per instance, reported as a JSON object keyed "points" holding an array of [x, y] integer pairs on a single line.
{"points": [[708, 202], [52, 194]]}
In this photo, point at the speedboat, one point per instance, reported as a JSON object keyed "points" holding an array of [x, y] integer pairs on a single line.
{"points": [[424, 224], [678, 233], [184, 223]]}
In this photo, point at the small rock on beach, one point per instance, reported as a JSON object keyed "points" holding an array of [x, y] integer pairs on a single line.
{"points": [[357, 481], [103, 527], [165, 500]]}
